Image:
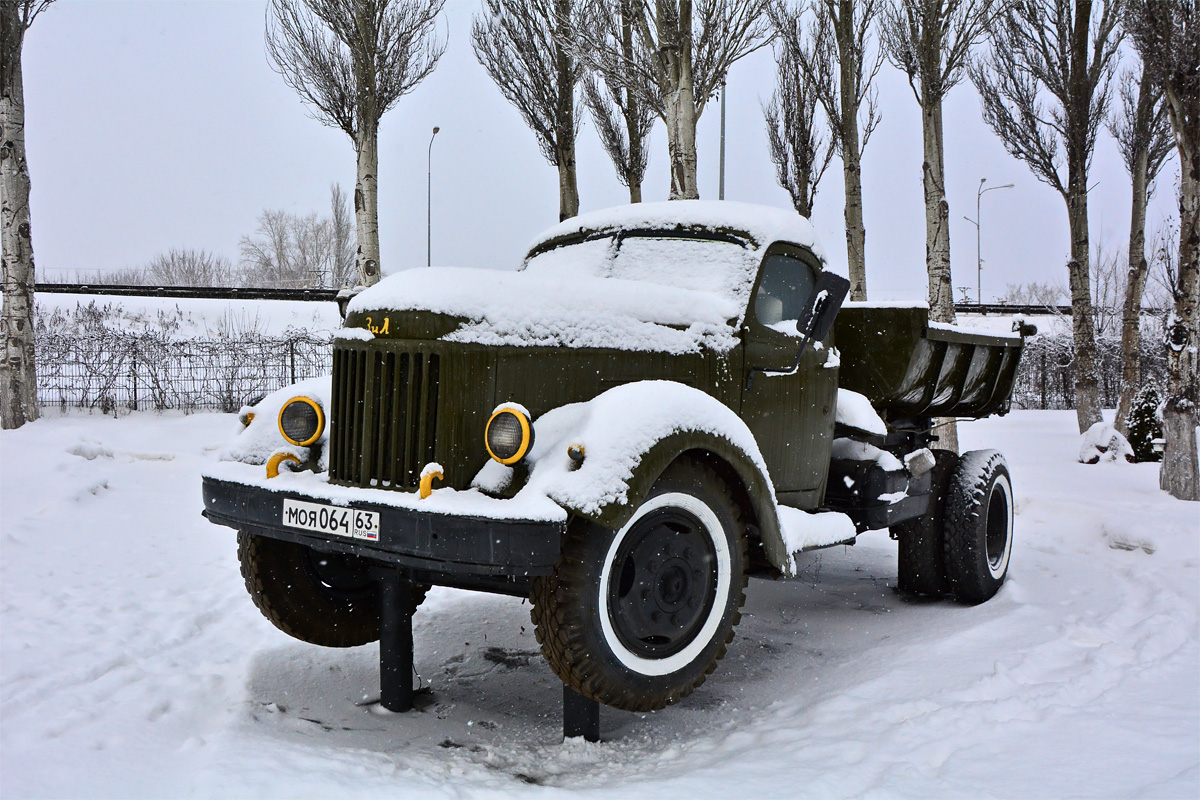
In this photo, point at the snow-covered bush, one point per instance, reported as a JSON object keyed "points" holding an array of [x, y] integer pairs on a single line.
{"points": [[1103, 442]]}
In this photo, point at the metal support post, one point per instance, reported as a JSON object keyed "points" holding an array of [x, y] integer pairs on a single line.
{"points": [[581, 716], [395, 642]]}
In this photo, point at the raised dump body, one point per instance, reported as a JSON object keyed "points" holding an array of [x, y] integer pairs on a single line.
{"points": [[909, 367]]}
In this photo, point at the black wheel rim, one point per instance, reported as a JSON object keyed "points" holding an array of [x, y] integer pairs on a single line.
{"points": [[663, 583], [997, 527], [337, 574]]}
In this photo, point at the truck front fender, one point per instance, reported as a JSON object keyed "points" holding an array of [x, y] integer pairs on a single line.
{"points": [[627, 437], [745, 477]]}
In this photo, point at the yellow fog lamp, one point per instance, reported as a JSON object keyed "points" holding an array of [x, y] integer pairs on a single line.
{"points": [[301, 421], [509, 435]]}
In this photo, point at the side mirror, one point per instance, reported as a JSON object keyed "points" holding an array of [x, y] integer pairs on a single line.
{"points": [[827, 298], [814, 324], [344, 296]]}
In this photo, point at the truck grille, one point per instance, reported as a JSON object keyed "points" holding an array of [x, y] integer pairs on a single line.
{"points": [[384, 417]]}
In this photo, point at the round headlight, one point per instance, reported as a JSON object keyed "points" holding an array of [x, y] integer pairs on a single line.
{"points": [[301, 421], [509, 435]]}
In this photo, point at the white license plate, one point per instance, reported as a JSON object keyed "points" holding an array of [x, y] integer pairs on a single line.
{"points": [[321, 518]]}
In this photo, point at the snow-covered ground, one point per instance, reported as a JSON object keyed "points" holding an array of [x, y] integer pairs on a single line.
{"points": [[133, 664]]}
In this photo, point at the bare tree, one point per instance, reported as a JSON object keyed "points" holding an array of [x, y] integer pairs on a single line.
{"points": [[1034, 293], [829, 41], [800, 152], [289, 251], [526, 46], [187, 267], [683, 54], [1061, 53], [1164, 266], [351, 61], [930, 41], [622, 120], [1109, 288], [18, 374], [341, 232], [1166, 34], [1143, 134]]}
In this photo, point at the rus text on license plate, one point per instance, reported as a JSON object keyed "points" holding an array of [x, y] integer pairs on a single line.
{"points": [[331, 519]]}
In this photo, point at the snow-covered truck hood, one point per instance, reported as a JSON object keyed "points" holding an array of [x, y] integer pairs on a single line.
{"points": [[536, 309]]}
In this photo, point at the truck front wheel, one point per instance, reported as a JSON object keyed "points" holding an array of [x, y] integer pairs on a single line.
{"points": [[978, 525], [638, 617], [327, 599]]}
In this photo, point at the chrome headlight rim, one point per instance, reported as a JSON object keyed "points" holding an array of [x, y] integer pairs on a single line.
{"points": [[320, 422], [526, 434]]}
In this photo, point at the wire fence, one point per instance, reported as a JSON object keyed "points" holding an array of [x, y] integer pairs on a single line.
{"points": [[113, 372], [1046, 376]]}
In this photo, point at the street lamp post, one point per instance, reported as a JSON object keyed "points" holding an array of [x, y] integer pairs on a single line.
{"points": [[978, 235], [721, 190], [429, 200]]}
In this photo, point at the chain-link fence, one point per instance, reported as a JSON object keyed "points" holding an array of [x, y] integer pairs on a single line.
{"points": [[114, 371]]}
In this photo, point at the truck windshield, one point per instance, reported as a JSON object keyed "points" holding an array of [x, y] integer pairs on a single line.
{"points": [[709, 265]]}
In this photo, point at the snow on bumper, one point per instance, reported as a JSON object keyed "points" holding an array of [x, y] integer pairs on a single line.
{"points": [[450, 532]]}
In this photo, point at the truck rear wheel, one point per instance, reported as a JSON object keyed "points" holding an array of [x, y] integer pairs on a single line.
{"points": [[978, 526], [328, 599], [921, 541], [637, 618]]}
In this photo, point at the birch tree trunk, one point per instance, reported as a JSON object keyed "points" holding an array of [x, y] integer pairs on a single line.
{"points": [[937, 242], [1180, 472], [366, 203], [1135, 287], [633, 132], [937, 215], [1087, 387], [568, 186], [1083, 326], [856, 232], [680, 105], [18, 377], [564, 125], [681, 142]]}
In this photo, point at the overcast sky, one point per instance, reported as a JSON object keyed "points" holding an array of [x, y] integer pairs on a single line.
{"points": [[153, 125]]}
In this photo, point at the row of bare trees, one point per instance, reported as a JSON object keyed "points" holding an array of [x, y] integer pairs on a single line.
{"points": [[1047, 78], [287, 251], [628, 61]]}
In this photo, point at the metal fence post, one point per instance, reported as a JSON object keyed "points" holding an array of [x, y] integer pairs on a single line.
{"points": [[133, 359], [1043, 378], [292, 357]]}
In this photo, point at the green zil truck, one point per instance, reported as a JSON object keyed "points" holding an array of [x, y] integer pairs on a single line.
{"points": [[663, 400]]}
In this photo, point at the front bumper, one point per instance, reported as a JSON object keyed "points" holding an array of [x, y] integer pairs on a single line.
{"points": [[436, 548]]}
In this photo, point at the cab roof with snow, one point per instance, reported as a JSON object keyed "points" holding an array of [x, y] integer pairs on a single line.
{"points": [[669, 277]]}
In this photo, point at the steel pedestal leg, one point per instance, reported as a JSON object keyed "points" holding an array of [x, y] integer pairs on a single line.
{"points": [[395, 642], [581, 716]]}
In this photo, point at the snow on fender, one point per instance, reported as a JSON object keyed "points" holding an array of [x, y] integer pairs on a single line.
{"points": [[628, 435]]}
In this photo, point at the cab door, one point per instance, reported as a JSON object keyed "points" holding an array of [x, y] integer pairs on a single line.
{"points": [[790, 412]]}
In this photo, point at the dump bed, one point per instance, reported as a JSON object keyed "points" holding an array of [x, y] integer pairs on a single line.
{"points": [[909, 367]]}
